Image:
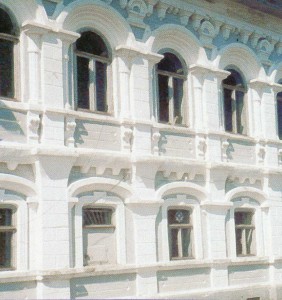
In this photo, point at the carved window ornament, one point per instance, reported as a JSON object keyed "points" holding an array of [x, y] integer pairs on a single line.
{"points": [[92, 60], [8, 40], [171, 77], [234, 93]]}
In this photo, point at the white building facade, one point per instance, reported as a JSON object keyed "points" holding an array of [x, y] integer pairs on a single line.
{"points": [[140, 151]]}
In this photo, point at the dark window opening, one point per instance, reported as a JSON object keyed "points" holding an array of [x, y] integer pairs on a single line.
{"points": [[180, 234], [279, 114], [7, 231], [234, 108], [170, 89], [244, 231], [92, 62], [7, 41]]}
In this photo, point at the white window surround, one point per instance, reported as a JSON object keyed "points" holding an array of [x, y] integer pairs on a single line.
{"points": [[247, 204], [98, 199], [186, 202]]}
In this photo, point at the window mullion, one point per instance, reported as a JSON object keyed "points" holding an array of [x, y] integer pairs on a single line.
{"points": [[171, 100], [179, 242], [92, 88], [234, 112]]}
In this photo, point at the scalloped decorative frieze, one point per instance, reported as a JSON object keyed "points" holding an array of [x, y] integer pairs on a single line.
{"points": [[208, 27]]}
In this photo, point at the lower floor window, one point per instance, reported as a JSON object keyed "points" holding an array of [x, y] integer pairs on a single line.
{"points": [[98, 235], [7, 232], [180, 233], [245, 233]]}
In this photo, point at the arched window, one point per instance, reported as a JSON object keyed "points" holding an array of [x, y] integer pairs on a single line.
{"points": [[234, 91], [7, 41], [92, 59], [279, 113], [171, 79]]}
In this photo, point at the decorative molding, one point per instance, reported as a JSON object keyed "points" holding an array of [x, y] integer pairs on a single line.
{"points": [[34, 122], [70, 126], [156, 136]]}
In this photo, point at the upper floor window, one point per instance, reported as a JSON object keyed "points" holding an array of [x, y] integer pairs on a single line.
{"points": [[279, 114], [92, 60], [171, 79], [180, 233], [7, 41], [245, 233], [98, 235], [7, 233], [234, 92]]}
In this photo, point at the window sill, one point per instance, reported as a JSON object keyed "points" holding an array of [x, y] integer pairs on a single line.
{"points": [[247, 260]]}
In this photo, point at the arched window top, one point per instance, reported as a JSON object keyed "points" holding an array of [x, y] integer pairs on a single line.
{"points": [[234, 79], [90, 42], [171, 63], [6, 24]]}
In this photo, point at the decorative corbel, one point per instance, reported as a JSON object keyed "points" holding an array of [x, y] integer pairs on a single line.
{"points": [[162, 10], [244, 35], [127, 137], [184, 17], [224, 149], [156, 136], [70, 126], [226, 30], [34, 121]]}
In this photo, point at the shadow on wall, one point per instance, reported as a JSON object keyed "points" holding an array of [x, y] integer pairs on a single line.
{"points": [[12, 124]]}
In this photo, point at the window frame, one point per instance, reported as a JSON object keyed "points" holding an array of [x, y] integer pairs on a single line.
{"points": [[180, 227], [93, 59], [172, 120], [279, 100], [15, 60], [13, 229], [244, 228], [236, 121]]}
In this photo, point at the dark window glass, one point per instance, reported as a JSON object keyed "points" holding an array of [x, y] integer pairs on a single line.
{"points": [[180, 231], [6, 235], [279, 114], [163, 98], [97, 216], [92, 63], [6, 55], [83, 81], [234, 93], [92, 43], [6, 25], [228, 110], [101, 86], [171, 63]]}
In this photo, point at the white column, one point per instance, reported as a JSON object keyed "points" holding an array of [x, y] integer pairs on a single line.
{"points": [[144, 215], [33, 64], [125, 58], [215, 214], [197, 86], [53, 240]]}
